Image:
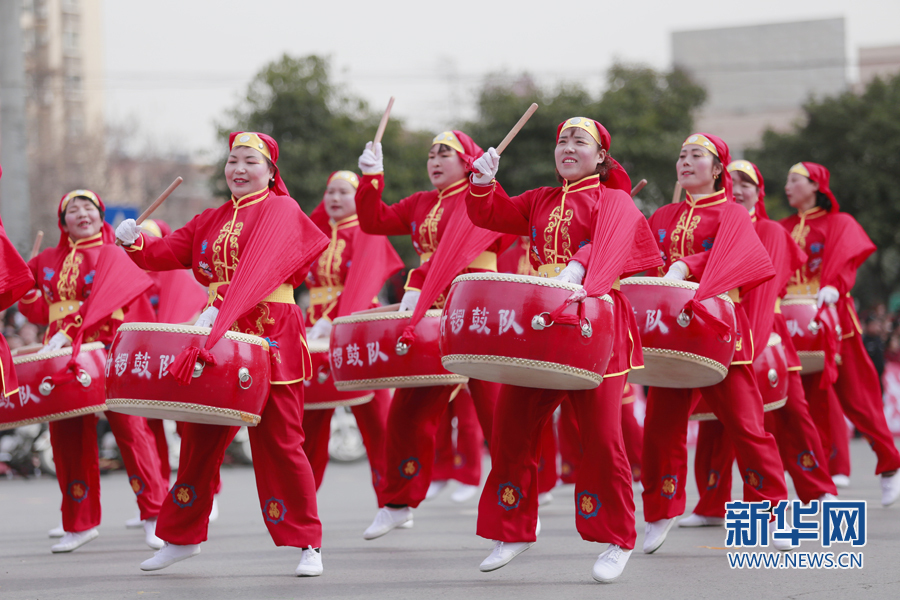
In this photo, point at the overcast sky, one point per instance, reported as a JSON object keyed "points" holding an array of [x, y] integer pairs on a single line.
{"points": [[176, 66]]}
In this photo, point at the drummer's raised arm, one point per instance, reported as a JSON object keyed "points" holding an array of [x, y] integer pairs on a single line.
{"points": [[491, 208], [164, 254]]}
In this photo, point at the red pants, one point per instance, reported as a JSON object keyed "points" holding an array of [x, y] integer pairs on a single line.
{"points": [[412, 426], [508, 508], [76, 456], [569, 443], [547, 472], [633, 434], [839, 453], [798, 444], [859, 394], [738, 405], [459, 459], [284, 479], [371, 418], [162, 448]]}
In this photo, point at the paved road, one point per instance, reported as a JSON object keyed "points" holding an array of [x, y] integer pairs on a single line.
{"points": [[437, 559]]}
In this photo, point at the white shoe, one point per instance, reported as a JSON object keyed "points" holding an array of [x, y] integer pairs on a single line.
{"points": [[826, 496], [407, 525], [435, 487], [778, 544], [464, 492], [135, 522], [387, 519], [56, 532], [695, 520], [545, 498], [537, 528], [841, 481], [890, 489], [150, 535], [503, 553], [655, 534], [214, 511], [310, 563], [610, 564], [71, 541], [169, 555]]}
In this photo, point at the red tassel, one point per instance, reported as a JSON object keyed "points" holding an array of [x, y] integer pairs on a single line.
{"points": [[67, 374], [183, 367], [722, 329], [557, 315], [408, 336]]}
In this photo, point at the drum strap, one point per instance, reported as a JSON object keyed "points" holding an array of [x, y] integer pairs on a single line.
{"points": [[283, 294]]}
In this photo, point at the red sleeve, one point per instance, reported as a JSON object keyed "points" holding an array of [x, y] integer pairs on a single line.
{"points": [[378, 218], [15, 276], [33, 305], [491, 208], [696, 264], [165, 254], [846, 248]]}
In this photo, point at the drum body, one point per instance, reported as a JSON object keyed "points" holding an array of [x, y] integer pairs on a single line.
{"points": [[39, 400], [679, 352], [771, 370], [495, 327], [365, 356], [807, 335], [319, 392], [232, 392]]}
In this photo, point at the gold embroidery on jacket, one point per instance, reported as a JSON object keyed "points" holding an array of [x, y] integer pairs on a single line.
{"points": [[68, 276], [224, 248], [558, 246], [686, 229], [428, 230]]}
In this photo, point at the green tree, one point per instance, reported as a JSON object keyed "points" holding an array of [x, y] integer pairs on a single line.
{"points": [[647, 113], [857, 137]]}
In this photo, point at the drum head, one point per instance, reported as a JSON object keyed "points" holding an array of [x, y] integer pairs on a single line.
{"points": [[523, 373], [183, 411], [811, 362], [680, 370]]}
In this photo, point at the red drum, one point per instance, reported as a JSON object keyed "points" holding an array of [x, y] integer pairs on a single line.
{"points": [[495, 327], [680, 351], [807, 334], [319, 392], [771, 368], [39, 400], [365, 354], [232, 392]]}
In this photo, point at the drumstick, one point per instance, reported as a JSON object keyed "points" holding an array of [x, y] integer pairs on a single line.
{"points": [[156, 203], [638, 187], [37, 244], [676, 196], [515, 130], [384, 121]]}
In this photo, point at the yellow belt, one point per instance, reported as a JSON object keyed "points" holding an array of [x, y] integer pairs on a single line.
{"points": [[810, 288], [284, 294], [486, 261], [735, 295], [324, 294], [61, 310], [777, 306], [554, 269]]}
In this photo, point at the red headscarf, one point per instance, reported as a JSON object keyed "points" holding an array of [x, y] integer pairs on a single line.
{"points": [[270, 152], [109, 234], [465, 146], [721, 151], [822, 176], [750, 169], [618, 178]]}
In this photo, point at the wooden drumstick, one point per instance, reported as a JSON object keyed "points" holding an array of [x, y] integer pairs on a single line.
{"points": [[515, 130], [156, 203], [638, 187], [676, 196], [384, 121], [37, 244]]}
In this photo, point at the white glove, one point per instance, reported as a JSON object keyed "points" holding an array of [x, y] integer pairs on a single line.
{"points": [[573, 273], [207, 317], [409, 301], [55, 343], [679, 271], [321, 329], [128, 231], [487, 165], [371, 160], [827, 295]]}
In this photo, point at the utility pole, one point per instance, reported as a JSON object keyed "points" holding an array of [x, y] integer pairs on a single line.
{"points": [[15, 198]]}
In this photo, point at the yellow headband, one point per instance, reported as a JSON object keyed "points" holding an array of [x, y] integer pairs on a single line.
{"points": [[448, 138], [583, 123], [251, 140], [744, 167], [84, 194], [348, 176], [151, 227], [702, 141], [800, 169]]}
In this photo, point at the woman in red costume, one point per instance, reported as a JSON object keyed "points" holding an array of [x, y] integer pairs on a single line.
{"points": [[796, 434], [415, 413], [83, 262], [710, 239], [326, 281], [837, 246], [230, 249], [560, 220]]}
